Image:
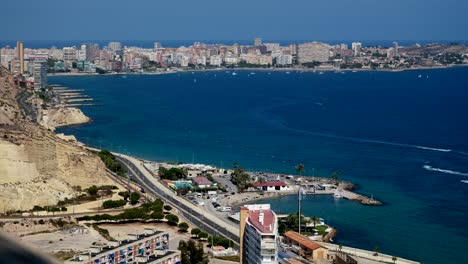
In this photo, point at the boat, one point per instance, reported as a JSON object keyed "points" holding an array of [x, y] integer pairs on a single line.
{"points": [[124, 76], [337, 194], [234, 73], [252, 73], [320, 72], [464, 181], [419, 76], [194, 80], [287, 72]]}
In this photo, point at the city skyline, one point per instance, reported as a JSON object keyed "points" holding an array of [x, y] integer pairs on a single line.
{"points": [[342, 20]]}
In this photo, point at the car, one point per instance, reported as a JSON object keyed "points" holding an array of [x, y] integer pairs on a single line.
{"points": [[232, 193]]}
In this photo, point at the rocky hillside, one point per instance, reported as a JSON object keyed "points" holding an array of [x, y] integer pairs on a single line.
{"points": [[36, 166]]}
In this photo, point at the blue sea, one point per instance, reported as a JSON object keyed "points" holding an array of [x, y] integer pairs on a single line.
{"points": [[401, 136]]}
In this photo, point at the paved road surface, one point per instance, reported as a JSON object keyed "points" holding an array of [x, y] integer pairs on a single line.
{"points": [[196, 215]]}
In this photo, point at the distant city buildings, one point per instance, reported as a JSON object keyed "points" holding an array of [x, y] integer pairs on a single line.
{"points": [[258, 42], [258, 234], [20, 48], [115, 46], [313, 51], [40, 75], [356, 47]]}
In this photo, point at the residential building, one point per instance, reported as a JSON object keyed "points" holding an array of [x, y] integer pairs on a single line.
{"points": [[20, 48], [271, 186], [258, 41], [395, 48], [115, 46], [284, 59], [258, 234], [40, 75], [356, 47], [216, 60], [149, 247], [69, 54], [157, 45], [306, 247], [202, 182], [313, 51]]}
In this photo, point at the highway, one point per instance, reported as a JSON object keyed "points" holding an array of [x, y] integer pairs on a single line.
{"points": [[198, 217]]}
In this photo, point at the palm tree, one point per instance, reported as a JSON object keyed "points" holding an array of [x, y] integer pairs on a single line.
{"points": [[300, 168], [315, 220], [376, 251], [336, 176]]}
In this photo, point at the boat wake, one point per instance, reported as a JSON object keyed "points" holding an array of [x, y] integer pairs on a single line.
{"points": [[430, 168]]}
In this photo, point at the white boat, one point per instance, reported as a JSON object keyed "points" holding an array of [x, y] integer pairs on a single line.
{"points": [[234, 73], [252, 73], [338, 194], [419, 76], [320, 72], [464, 181], [124, 76], [194, 80], [287, 72]]}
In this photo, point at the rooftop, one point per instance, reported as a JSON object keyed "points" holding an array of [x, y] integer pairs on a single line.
{"points": [[263, 220], [201, 181], [269, 184], [302, 240]]}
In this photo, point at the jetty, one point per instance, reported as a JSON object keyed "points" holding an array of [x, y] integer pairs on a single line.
{"points": [[72, 97]]}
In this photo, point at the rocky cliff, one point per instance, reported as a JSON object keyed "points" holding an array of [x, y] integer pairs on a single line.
{"points": [[36, 166]]}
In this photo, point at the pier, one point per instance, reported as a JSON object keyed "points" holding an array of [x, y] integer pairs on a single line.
{"points": [[72, 97]]}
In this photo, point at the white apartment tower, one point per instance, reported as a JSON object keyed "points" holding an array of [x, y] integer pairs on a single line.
{"points": [[258, 234]]}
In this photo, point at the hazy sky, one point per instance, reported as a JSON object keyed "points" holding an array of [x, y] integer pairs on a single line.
{"points": [[234, 20]]}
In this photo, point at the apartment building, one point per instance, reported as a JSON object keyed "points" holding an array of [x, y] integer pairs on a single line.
{"points": [[150, 247], [258, 234]]}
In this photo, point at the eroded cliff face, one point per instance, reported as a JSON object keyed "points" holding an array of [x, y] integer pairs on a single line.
{"points": [[36, 166], [62, 116]]}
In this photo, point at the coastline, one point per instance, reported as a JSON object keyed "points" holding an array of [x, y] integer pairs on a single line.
{"points": [[300, 69]]}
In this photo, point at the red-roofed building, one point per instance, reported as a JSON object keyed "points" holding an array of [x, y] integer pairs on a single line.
{"points": [[202, 182], [308, 248], [258, 234], [272, 186]]}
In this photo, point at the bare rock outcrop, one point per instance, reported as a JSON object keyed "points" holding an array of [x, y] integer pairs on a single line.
{"points": [[36, 166]]}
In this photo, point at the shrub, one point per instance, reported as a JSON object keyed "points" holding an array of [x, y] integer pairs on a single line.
{"points": [[157, 215], [113, 203], [134, 197], [125, 195], [92, 190], [203, 234], [167, 207]]}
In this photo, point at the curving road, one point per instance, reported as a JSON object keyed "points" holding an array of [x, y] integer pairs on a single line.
{"points": [[198, 217]]}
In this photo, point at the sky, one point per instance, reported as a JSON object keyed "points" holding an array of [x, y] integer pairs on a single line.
{"points": [[234, 20]]}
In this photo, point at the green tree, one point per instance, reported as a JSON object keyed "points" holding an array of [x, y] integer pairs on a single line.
{"points": [[92, 190], [300, 168], [376, 251], [167, 207], [192, 253], [195, 231], [157, 215], [394, 259], [172, 220], [315, 220], [183, 227], [134, 198], [203, 235], [125, 195], [335, 176]]}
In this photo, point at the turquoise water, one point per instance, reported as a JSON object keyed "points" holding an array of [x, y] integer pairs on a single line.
{"points": [[401, 138]]}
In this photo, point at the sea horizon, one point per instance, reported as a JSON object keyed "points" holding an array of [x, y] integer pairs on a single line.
{"points": [[399, 137]]}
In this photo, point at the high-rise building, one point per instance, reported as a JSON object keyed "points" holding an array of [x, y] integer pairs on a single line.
{"points": [[258, 41], [157, 45], [115, 46], [89, 52], [20, 48], [258, 234], [395, 48], [40, 75], [69, 54], [313, 51], [356, 46]]}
